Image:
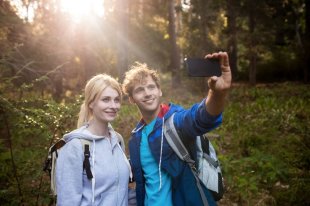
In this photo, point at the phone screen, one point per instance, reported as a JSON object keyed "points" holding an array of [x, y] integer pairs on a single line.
{"points": [[199, 67]]}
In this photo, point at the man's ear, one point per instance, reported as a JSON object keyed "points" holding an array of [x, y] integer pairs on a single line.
{"points": [[160, 93], [131, 100]]}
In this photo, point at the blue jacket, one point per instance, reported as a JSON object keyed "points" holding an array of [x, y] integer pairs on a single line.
{"points": [[190, 123]]}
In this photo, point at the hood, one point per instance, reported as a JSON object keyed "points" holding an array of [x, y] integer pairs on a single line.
{"points": [[172, 109], [83, 133], [165, 113]]}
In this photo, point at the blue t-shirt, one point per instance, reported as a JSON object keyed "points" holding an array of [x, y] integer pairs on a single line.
{"points": [[154, 194]]}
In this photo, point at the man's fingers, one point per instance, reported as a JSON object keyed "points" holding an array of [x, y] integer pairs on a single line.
{"points": [[224, 58], [212, 81]]}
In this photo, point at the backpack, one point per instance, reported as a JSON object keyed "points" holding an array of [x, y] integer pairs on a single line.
{"points": [[50, 162], [208, 169]]}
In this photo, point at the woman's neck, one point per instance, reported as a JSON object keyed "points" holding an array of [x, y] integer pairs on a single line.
{"points": [[99, 129]]}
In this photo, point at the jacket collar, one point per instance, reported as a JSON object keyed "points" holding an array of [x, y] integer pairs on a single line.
{"points": [[165, 111]]}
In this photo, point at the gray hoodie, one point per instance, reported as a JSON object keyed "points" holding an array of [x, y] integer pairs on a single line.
{"points": [[109, 166]]}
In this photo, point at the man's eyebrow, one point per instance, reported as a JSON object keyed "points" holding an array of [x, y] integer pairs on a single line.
{"points": [[140, 87]]}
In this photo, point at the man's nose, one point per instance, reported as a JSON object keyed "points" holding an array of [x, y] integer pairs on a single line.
{"points": [[147, 92]]}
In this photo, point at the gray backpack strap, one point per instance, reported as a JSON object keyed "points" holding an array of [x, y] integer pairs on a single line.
{"points": [[178, 147], [175, 142], [211, 160]]}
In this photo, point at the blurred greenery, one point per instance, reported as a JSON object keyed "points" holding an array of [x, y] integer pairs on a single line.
{"points": [[47, 55], [265, 146], [264, 143]]}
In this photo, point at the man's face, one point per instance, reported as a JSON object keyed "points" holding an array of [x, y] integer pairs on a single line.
{"points": [[146, 95]]}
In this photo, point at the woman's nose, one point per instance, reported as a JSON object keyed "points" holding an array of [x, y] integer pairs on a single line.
{"points": [[115, 104]]}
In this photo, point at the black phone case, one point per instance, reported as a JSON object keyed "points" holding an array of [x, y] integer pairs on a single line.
{"points": [[197, 67]]}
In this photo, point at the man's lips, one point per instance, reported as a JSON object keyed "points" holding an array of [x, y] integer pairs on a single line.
{"points": [[149, 100]]}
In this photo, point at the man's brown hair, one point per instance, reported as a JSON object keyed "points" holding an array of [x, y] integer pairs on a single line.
{"points": [[136, 74]]}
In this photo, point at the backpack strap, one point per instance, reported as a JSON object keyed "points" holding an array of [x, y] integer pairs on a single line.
{"points": [[86, 163], [178, 147], [176, 143], [50, 162], [205, 145]]}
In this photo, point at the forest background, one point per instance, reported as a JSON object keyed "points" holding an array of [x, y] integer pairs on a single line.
{"points": [[50, 48]]}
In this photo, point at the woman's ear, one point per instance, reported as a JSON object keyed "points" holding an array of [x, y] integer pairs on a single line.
{"points": [[91, 105]]}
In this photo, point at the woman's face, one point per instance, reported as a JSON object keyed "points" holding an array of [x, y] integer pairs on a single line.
{"points": [[105, 107]]}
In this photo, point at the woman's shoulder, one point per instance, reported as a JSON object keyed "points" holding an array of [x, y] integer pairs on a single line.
{"points": [[74, 144]]}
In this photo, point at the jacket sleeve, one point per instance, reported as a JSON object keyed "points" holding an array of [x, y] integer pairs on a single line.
{"points": [[69, 174], [196, 120]]}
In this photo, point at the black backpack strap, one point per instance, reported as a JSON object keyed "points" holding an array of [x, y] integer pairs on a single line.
{"points": [[86, 163], [205, 144]]}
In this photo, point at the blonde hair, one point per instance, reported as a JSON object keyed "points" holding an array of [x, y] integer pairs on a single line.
{"points": [[137, 73], [93, 89]]}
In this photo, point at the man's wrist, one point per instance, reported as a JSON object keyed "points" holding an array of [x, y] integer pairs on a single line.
{"points": [[218, 94]]}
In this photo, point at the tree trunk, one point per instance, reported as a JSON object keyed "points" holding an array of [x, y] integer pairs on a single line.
{"points": [[307, 43], [252, 49], [179, 26], [232, 37], [122, 38], [174, 53]]}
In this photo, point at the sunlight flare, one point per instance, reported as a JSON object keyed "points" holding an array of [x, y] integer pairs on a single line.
{"points": [[79, 9]]}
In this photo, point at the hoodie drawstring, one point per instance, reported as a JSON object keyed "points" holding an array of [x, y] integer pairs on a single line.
{"points": [[94, 179], [127, 162], [161, 153]]}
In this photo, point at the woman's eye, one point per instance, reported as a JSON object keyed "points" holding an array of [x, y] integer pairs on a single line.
{"points": [[117, 100], [105, 100]]}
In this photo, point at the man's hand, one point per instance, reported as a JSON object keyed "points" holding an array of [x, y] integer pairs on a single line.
{"points": [[219, 86], [222, 83]]}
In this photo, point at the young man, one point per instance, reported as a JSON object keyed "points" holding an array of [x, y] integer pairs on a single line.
{"points": [[161, 177]]}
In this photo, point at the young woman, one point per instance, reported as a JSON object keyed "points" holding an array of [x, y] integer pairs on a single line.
{"points": [[110, 168]]}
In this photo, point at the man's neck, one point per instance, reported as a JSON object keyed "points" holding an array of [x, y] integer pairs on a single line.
{"points": [[149, 116]]}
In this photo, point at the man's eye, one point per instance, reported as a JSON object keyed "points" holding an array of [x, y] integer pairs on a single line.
{"points": [[138, 90], [152, 86]]}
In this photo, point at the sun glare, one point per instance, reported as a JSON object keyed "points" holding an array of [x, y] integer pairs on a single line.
{"points": [[22, 11], [79, 9]]}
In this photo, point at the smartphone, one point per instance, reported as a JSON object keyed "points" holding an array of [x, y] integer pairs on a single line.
{"points": [[199, 67]]}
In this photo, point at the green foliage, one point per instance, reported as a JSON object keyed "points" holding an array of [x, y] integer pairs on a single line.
{"points": [[29, 127], [266, 131], [265, 140], [264, 144]]}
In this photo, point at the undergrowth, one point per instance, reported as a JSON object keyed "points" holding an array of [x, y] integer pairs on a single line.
{"points": [[264, 143]]}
